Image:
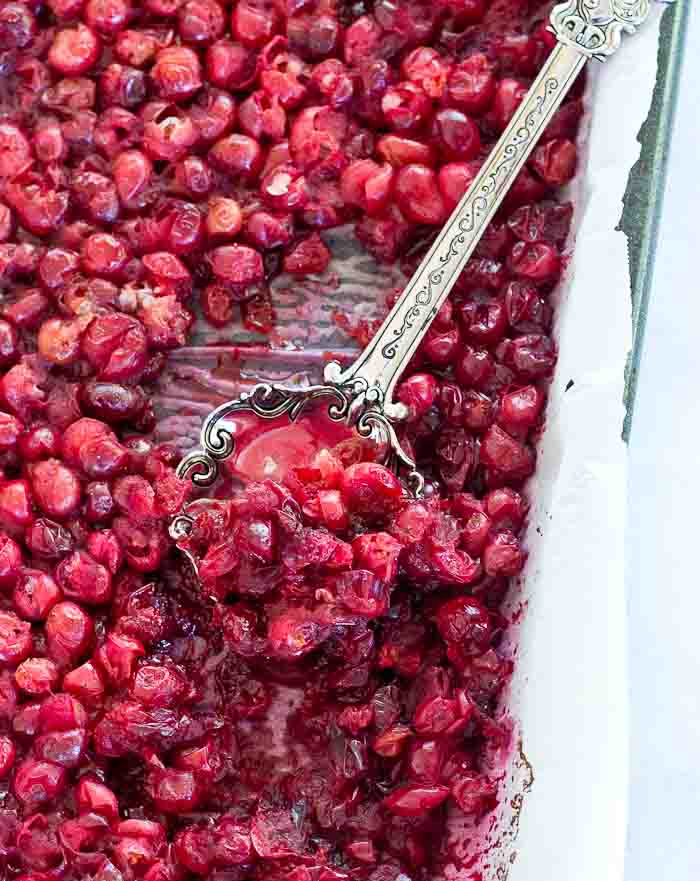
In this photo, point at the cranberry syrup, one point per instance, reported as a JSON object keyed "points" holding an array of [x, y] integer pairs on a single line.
{"points": [[318, 704]]}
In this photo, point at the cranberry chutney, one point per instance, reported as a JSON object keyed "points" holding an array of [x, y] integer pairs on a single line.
{"points": [[316, 707]]}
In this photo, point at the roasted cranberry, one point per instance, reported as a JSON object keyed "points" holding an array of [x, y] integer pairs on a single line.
{"points": [[254, 21], [168, 133], [418, 195], [307, 257], [237, 155], [38, 782], [74, 50], [230, 65]]}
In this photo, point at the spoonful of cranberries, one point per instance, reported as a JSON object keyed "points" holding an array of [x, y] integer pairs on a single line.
{"points": [[362, 395]]}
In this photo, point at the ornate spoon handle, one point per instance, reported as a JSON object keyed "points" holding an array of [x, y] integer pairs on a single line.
{"points": [[362, 395]]}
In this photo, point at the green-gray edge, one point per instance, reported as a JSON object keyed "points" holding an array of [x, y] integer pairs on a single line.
{"points": [[643, 198]]}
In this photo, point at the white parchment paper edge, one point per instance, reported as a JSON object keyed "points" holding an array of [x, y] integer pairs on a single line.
{"points": [[569, 691]]}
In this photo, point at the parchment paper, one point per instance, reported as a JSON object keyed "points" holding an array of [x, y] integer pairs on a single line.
{"points": [[569, 693], [565, 812]]}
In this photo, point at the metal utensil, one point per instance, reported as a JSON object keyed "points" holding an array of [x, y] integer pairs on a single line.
{"points": [[362, 394]]}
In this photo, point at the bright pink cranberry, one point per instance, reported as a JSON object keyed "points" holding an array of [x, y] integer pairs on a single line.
{"points": [[230, 65], [69, 632], [418, 195], [362, 39], [503, 554], [537, 262], [74, 50], [508, 456], [93, 797], [35, 594], [7, 755], [132, 173], [56, 488], [507, 98], [367, 185], [37, 783], [93, 447]]}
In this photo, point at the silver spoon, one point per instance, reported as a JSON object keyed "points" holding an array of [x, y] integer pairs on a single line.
{"points": [[362, 394]]}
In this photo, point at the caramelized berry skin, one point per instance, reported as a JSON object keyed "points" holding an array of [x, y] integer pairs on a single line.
{"points": [[177, 161]]}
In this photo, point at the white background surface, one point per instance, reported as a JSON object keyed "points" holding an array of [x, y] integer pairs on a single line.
{"points": [[664, 529]]}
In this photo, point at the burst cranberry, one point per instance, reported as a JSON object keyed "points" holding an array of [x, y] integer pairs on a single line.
{"points": [[236, 264], [267, 231], [132, 173], [237, 155], [508, 456], [201, 21], [456, 135], [418, 392], [367, 185], [177, 73], [85, 683], [472, 84], [15, 639], [474, 367], [294, 634], [93, 797], [115, 345], [405, 107], [224, 218], [538, 262], [555, 162], [69, 633], [168, 133], [254, 22], [84, 579], [441, 347], [307, 257]]}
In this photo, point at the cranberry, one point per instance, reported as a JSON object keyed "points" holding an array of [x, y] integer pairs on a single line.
{"points": [[507, 98], [418, 392], [472, 84], [254, 22], [115, 344], [511, 458], [555, 161], [367, 185], [56, 488], [538, 262], [369, 489], [177, 73], [362, 40], [236, 264], [17, 26], [37, 676], [10, 561], [15, 505], [132, 173], [94, 797], [237, 155], [416, 800], [15, 151], [266, 231], [168, 133], [418, 195], [456, 135], [7, 755], [224, 218], [309, 256], [74, 51], [38, 782], [230, 65], [69, 633], [122, 86], [35, 594], [85, 683]]}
